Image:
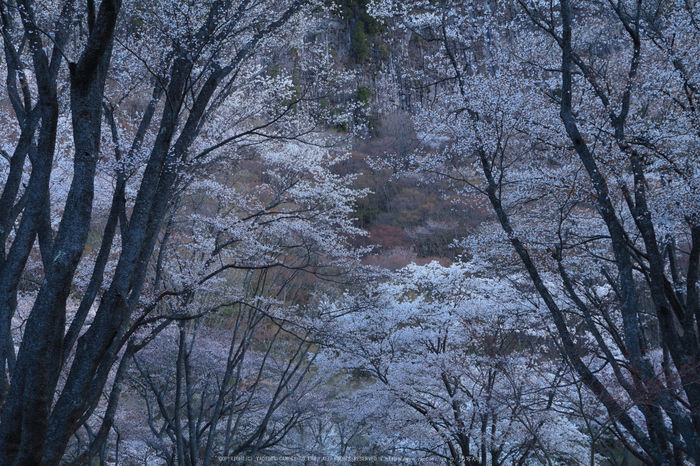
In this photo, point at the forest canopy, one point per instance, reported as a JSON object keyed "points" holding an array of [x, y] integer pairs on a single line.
{"points": [[460, 232]]}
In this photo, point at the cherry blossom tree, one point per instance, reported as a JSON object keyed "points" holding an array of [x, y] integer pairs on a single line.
{"points": [[577, 122], [457, 368], [230, 380]]}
